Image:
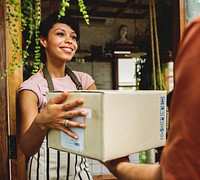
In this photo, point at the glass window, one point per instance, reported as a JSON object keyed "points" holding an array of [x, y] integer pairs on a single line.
{"points": [[126, 72]]}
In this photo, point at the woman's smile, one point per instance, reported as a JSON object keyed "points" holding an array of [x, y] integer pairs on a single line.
{"points": [[67, 49]]}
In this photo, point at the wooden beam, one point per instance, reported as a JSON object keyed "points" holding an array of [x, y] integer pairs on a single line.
{"points": [[53, 5], [4, 163], [18, 165], [175, 26], [182, 11]]}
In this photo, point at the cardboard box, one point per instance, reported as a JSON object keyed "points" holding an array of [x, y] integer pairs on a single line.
{"points": [[118, 123]]}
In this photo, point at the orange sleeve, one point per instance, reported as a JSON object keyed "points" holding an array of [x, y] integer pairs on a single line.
{"points": [[181, 157]]}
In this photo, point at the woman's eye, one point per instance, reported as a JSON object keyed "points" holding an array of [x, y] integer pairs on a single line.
{"points": [[60, 34], [74, 37]]}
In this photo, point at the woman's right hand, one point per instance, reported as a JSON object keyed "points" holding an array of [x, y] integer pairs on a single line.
{"points": [[57, 111], [33, 126]]}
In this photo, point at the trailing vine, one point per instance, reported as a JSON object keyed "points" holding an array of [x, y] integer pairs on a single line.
{"points": [[12, 16], [36, 63], [31, 18], [84, 11], [66, 3], [29, 11]]}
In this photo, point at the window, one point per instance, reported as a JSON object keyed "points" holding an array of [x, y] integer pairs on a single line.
{"points": [[126, 73]]}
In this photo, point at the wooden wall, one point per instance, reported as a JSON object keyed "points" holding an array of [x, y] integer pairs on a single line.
{"points": [[4, 170], [9, 168]]}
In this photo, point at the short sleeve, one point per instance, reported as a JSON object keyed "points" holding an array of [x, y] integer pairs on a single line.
{"points": [[85, 79], [40, 89]]}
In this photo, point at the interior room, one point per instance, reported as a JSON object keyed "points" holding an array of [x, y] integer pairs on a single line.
{"points": [[120, 65], [127, 45], [107, 61], [100, 55]]}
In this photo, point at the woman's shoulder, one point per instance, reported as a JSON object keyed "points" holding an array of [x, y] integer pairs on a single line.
{"points": [[33, 83], [85, 79], [80, 73], [34, 79]]}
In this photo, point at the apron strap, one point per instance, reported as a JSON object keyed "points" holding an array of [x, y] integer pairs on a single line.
{"points": [[47, 76], [68, 71], [74, 78]]}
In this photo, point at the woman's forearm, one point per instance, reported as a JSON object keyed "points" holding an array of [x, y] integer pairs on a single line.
{"points": [[32, 139], [34, 125]]}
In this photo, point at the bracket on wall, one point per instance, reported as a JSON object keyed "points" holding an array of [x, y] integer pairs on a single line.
{"points": [[12, 147]]}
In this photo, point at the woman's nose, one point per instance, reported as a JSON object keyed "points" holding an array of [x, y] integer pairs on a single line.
{"points": [[68, 39]]}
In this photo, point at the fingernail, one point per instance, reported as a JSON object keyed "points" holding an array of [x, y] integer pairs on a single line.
{"points": [[84, 113], [82, 125], [75, 137], [61, 95], [81, 100]]}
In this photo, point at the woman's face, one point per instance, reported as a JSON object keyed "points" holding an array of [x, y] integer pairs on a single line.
{"points": [[60, 44]]}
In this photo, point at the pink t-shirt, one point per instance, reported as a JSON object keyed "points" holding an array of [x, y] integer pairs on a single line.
{"points": [[38, 84]]}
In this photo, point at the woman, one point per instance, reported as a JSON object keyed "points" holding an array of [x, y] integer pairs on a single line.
{"points": [[58, 39]]}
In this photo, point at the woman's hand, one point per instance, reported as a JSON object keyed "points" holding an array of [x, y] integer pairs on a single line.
{"points": [[34, 126], [58, 114]]}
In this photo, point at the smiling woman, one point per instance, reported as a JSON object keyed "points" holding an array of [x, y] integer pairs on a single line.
{"points": [[58, 38], [60, 45], [58, 29]]}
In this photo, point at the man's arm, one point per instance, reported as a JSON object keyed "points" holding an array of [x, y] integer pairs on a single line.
{"points": [[124, 170]]}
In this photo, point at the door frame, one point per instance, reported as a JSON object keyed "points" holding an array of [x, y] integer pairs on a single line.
{"points": [[4, 165], [10, 167]]}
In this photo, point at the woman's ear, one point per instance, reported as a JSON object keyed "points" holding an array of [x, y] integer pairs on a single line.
{"points": [[43, 41]]}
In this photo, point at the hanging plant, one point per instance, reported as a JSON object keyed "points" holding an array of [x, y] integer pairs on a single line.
{"points": [[63, 6], [37, 62], [84, 11], [66, 4], [12, 16], [31, 18], [29, 11]]}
